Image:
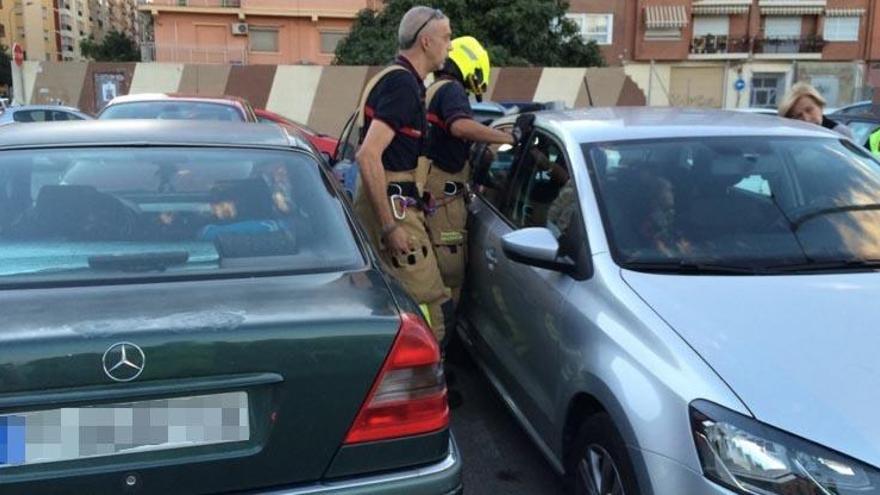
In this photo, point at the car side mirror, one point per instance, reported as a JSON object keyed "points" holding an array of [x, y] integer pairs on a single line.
{"points": [[538, 247]]}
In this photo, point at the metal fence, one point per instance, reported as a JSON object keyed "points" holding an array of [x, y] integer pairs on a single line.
{"points": [[193, 54]]}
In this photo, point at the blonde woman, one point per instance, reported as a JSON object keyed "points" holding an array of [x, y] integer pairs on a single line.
{"points": [[803, 102]]}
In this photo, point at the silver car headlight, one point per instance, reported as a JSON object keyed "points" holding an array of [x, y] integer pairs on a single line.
{"points": [[752, 458]]}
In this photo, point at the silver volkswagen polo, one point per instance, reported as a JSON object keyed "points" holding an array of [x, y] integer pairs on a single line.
{"points": [[682, 301]]}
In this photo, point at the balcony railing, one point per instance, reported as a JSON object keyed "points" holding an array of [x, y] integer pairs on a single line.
{"points": [[789, 44], [193, 3], [712, 44], [721, 45]]}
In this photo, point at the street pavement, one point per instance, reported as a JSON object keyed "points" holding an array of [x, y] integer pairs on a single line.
{"points": [[498, 456]]}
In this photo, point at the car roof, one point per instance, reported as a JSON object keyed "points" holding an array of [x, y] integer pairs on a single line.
{"points": [[149, 132], [44, 107], [138, 97], [634, 123]]}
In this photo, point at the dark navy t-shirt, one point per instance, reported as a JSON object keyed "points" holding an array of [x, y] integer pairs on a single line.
{"points": [[398, 100], [450, 104]]}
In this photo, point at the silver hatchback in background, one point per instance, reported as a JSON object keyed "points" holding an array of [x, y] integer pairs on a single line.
{"points": [[682, 301]]}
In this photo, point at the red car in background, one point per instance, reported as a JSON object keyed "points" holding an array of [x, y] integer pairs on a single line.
{"points": [[323, 142]]}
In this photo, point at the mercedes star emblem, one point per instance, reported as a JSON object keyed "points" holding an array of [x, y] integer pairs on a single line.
{"points": [[123, 362]]}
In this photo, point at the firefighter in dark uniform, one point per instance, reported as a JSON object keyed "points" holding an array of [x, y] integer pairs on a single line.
{"points": [[452, 129], [390, 200]]}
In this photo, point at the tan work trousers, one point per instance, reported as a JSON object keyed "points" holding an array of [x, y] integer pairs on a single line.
{"points": [[417, 270], [447, 226]]}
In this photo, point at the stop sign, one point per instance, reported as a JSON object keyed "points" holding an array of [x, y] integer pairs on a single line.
{"points": [[17, 54]]}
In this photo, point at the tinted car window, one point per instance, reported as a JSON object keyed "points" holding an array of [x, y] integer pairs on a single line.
{"points": [[541, 177], [752, 201], [86, 213], [173, 110], [30, 116], [862, 130]]}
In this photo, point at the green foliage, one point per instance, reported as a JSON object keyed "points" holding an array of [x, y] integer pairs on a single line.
{"points": [[115, 47], [5, 66], [515, 32]]}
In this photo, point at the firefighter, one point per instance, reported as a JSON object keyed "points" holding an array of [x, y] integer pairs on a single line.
{"points": [[390, 199], [451, 131]]}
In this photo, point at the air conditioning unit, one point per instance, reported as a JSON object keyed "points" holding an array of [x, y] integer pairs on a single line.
{"points": [[239, 28]]}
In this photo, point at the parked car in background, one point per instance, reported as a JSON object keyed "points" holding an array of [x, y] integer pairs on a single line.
{"points": [[40, 113], [862, 108], [178, 107], [218, 322], [324, 143], [758, 111], [684, 271], [487, 111]]}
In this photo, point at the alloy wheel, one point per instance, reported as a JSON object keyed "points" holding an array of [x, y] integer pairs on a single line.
{"points": [[598, 473]]}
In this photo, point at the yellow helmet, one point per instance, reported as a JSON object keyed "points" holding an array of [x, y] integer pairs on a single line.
{"points": [[472, 61]]}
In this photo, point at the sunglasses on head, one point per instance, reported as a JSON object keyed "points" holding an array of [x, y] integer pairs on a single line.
{"points": [[436, 14]]}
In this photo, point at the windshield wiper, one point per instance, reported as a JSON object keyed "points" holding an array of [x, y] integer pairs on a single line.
{"points": [[800, 221], [140, 262], [818, 266], [687, 267]]}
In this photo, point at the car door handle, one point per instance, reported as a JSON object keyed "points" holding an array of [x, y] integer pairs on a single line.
{"points": [[491, 255]]}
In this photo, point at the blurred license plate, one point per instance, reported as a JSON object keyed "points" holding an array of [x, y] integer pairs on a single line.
{"points": [[77, 432]]}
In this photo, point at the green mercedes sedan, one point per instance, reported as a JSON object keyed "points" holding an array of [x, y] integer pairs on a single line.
{"points": [[192, 309]]}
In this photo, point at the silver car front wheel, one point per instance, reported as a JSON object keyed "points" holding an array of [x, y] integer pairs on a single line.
{"points": [[598, 462], [598, 472]]}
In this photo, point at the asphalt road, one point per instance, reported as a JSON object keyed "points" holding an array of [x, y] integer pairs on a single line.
{"points": [[498, 456]]}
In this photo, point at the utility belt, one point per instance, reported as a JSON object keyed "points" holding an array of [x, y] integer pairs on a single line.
{"points": [[406, 190]]}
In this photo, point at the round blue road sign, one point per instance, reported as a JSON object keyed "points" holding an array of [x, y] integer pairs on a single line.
{"points": [[739, 85]]}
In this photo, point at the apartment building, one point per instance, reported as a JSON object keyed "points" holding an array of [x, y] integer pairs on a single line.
{"points": [[53, 29], [738, 53], [30, 23], [248, 31]]}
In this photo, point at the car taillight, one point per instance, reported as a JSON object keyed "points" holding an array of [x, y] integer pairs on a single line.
{"points": [[409, 395]]}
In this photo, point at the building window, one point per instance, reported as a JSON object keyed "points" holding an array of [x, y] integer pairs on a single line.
{"points": [[263, 39], [663, 34], [330, 40], [594, 27], [711, 25], [842, 28], [767, 89], [782, 27]]}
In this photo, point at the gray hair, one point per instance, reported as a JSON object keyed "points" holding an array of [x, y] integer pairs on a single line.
{"points": [[414, 23]]}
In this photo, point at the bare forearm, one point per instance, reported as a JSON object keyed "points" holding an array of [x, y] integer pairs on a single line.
{"points": [[472, 130], [373, 181]]}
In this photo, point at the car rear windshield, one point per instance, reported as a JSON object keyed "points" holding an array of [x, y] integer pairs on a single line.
{"points": [[173, 110], [132, 212], [753, 202]]}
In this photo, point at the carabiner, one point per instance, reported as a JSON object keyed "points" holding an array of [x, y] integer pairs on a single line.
{"points": [[399, 214]]}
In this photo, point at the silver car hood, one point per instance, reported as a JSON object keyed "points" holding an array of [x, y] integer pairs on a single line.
{"points": [[801, 351]]}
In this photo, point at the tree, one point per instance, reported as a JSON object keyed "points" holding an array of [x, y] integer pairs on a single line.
{"points": [[115, 47], [5, 67], [515, 32]]}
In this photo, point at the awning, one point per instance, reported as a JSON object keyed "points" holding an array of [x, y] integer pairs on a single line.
{"points": [[666, 16], [844, 12], [792, 7], [721, 7]]}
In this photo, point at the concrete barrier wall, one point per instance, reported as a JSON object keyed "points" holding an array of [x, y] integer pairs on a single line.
{"points": [[321, 97]]}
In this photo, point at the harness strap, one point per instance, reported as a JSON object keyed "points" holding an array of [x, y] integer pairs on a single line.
{"points": [[371, 84], [429, 97]]}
